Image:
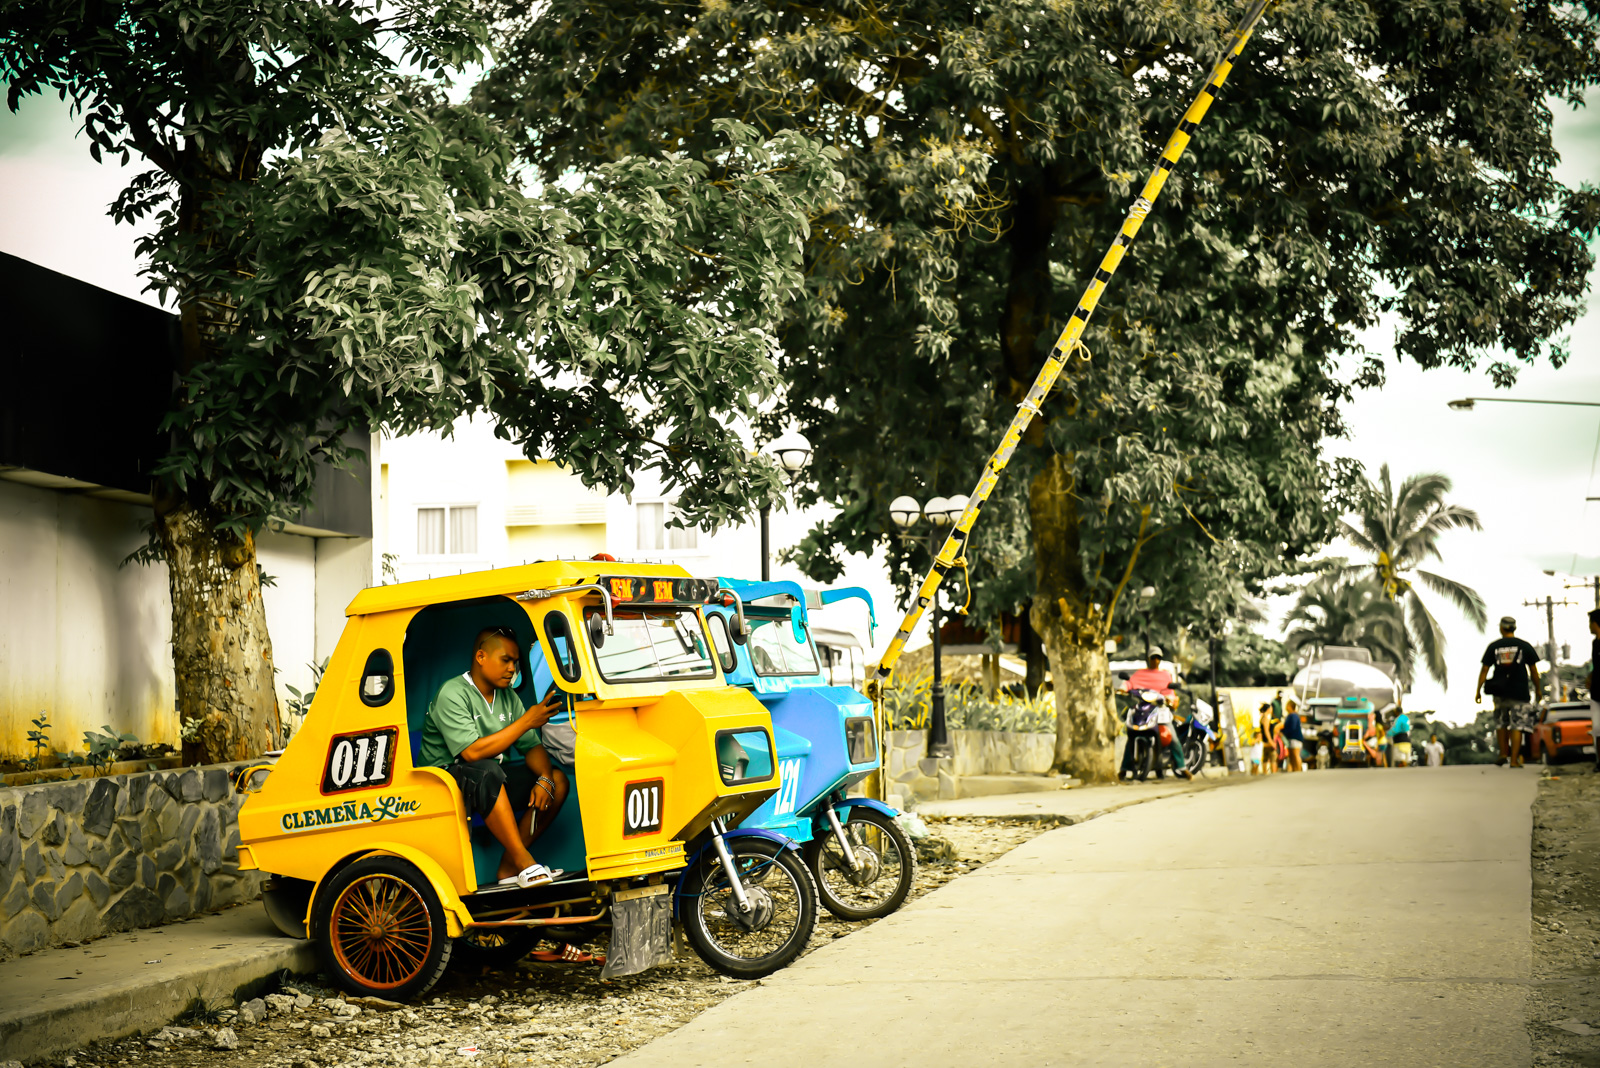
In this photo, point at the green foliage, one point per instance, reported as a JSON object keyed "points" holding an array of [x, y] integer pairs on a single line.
{"points": [[1248, 659], [300, 703], [1388, 158], [1400, 530], [908, 706], [350, 253], [103, 745], [39, 738], [1337, 610]]}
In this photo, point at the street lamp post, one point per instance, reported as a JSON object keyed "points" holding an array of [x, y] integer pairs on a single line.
{"points": [[940, 513], [793, 453], [1147, 596]]}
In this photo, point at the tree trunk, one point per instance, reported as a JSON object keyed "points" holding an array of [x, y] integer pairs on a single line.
{"points": [[221, 654], [1073, 630]]}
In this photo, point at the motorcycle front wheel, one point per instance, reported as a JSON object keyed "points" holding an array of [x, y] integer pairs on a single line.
{"points": [[775, 929], [1194, 755], [1144, 754], [886, 866]]}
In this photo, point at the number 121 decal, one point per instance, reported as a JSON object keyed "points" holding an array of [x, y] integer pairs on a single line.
{"points": [[359, 761]]}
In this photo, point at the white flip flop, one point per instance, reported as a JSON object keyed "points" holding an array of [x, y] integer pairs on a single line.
{"points": [[535, 874]]}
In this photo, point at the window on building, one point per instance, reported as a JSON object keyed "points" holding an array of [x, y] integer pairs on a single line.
{"points": [[451, 531], [655, 534]]}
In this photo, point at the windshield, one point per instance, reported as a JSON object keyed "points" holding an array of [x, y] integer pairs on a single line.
{"points": [[654, 643], [774, 650]]}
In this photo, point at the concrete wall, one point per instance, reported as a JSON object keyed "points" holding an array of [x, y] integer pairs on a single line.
{"points": [[81, 637], [90, 641], [914, 776], [89, 857]]}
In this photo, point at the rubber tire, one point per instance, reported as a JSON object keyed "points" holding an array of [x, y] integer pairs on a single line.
{"points": [[1144, 756], [693, 884], [1194, 755], [435, 960], [286, 901], [908, 867], [470, 956]]}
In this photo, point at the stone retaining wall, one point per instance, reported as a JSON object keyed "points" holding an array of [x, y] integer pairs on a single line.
{"points": [[89, 857], [915, 776]]}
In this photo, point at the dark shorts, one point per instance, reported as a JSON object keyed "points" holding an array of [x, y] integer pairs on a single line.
{"points": [[482, 780]]}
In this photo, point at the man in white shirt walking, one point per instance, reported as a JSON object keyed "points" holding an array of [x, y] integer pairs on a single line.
{"points": [[1435, 751]]}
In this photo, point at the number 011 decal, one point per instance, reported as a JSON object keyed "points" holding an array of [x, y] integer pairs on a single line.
{"points": [[641, 807], [359, 761]]}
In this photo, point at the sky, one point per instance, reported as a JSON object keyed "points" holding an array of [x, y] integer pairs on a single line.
{"points": [[1528, 470]]}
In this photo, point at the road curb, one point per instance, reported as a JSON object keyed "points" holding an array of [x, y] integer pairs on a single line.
{"points": [[213, 961]]}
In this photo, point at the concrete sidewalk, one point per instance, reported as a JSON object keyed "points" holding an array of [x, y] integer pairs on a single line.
{"points": [[61, 999], [1332, 918], [1078, 803]]}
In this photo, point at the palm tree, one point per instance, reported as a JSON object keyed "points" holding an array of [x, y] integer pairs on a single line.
{"points": [[1334, 609], [1400, 530]]}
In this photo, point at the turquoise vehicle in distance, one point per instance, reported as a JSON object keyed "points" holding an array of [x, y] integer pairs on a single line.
{"points": [[827, 741]]}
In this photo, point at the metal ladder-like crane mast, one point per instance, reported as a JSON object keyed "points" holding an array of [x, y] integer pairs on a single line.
{"points": [[1070, 339]]}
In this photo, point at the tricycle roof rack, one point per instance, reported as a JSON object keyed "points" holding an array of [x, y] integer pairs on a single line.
{"points": [[503, 581]]}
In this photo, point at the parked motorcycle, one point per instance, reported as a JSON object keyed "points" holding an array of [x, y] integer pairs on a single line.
{"points": [[1198, 737]]}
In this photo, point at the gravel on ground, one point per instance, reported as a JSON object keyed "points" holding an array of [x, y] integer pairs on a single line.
{"points": [[1564, 1010], [531, 1014]]}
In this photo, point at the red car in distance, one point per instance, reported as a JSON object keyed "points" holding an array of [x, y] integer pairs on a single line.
{"points": [[1564, 733]]}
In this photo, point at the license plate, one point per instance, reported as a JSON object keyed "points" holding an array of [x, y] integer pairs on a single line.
{"points": [[641, 933]]}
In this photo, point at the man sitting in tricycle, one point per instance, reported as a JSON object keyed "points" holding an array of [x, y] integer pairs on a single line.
{"points": [[475, 730]]}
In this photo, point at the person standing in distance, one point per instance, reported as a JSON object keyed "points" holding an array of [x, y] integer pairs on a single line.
{"points": [[1515, 663], [1594, 698]]}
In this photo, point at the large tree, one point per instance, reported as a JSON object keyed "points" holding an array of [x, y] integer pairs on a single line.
{"points": [[1367, 157], [349, 252]]}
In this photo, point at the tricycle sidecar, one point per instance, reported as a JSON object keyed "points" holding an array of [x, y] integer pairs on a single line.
{"points": [[374, 857], [827, 742]]}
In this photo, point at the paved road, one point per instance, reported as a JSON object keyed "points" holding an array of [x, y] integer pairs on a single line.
{"points": [[1283, 923]]}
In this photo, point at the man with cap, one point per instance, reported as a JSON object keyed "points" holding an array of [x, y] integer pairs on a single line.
{"points": [[1515, 664], [1153, 677]]}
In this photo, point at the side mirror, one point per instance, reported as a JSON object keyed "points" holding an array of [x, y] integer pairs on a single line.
{"points": [[597, 630], [738, 629]]}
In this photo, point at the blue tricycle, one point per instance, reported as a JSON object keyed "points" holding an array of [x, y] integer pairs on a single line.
{"points": [[826, 740]]}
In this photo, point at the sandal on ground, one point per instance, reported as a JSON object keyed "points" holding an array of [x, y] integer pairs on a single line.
{"points": [[534, 874], [567, 954]]}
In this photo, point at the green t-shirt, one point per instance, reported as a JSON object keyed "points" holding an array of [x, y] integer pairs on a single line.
{"points": [[460, 716]]}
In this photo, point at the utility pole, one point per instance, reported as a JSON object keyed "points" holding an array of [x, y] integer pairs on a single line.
{"points": [[1549, 606]]}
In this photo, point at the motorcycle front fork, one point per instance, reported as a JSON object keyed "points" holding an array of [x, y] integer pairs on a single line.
{"points": [[843, 839], [735, 884]]}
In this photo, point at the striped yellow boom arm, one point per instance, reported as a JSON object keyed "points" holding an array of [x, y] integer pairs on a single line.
{"points": [[1069, 340]]}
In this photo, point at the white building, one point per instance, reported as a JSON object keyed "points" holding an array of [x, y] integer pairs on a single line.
{"points": [[473, 501]]}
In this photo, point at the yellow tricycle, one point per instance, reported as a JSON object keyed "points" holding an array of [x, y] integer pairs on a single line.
{"points": [[372, 853]]}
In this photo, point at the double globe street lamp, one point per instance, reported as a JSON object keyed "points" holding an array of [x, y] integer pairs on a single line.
{"points": [[793, 453], [941, 513]]}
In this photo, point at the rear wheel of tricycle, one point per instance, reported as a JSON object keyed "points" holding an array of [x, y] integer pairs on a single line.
{"points": [[380, 930], [886, 865], [782, 915]]}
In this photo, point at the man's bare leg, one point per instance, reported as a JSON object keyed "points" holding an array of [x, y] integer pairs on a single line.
{"points": [[1501, 736], [502, 823]]}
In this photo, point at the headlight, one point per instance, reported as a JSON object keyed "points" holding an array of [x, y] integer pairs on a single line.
{"points": [[860, 740]]}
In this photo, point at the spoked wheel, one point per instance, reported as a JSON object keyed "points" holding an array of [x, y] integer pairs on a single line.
{"points": [[1194, 755], [886, 865], [781, 917], [380, 931], [493, 947]]}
